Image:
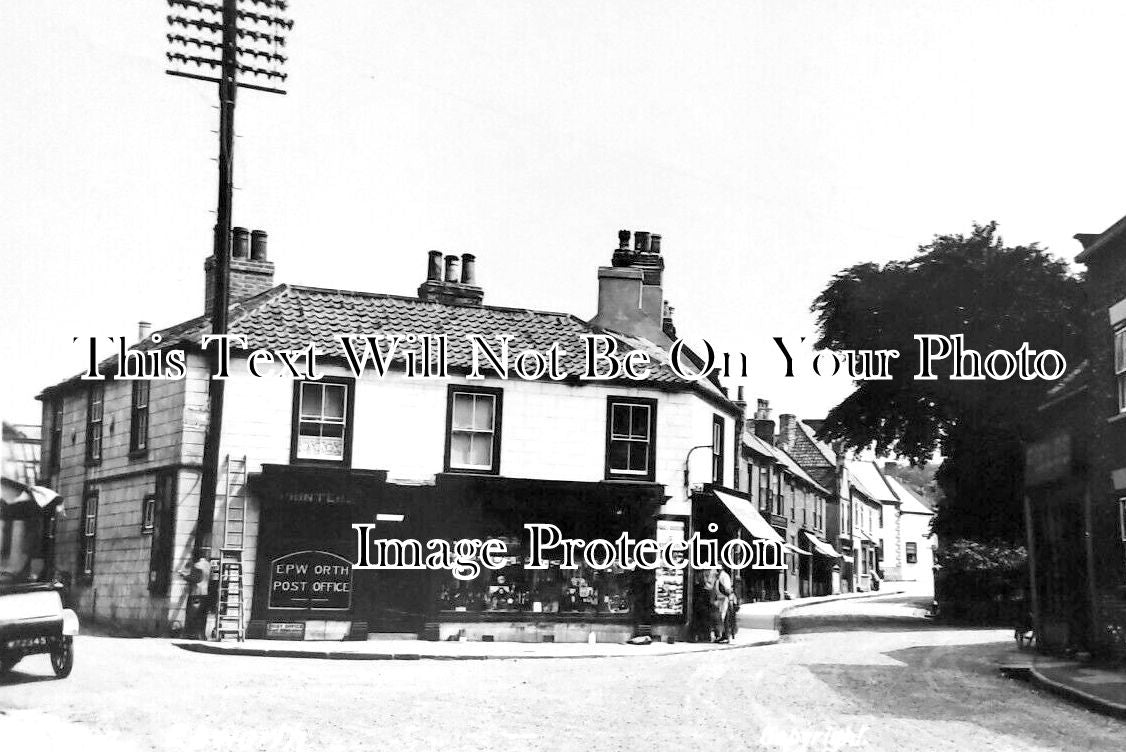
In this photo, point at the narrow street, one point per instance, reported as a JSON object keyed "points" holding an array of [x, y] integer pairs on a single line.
{"points": [[868, 674]]}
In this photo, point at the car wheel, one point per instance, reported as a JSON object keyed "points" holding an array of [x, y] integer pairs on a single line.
{"points": [[62, 657]]}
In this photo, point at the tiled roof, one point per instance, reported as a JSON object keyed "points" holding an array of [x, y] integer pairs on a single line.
{"points": [[290, 317], [811, 452]]}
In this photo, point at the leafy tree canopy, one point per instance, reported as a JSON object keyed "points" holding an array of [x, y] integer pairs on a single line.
{"points": [[999, 297]]}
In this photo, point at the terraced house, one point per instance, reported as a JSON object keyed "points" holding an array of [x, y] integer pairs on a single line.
{"points": [[445, 456]]}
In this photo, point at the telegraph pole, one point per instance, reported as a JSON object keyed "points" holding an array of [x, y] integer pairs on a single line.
{"points": [[245, 39]]}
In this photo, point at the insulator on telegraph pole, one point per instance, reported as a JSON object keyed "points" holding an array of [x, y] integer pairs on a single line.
{"points": [[221, 42]]}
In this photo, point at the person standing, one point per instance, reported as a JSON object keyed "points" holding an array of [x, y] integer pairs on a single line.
{"points": [[703, 606], [198, 576], [724, 591]]}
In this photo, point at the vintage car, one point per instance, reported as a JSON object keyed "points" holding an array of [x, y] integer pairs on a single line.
{"points": [[32, 615]]}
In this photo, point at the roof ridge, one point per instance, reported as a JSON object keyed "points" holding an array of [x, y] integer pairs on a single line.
{"points": [[419, 301]]}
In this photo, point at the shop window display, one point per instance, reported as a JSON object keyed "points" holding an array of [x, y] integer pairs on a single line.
{"points": [[554, 590]]}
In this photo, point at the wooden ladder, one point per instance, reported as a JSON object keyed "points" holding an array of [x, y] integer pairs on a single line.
{"points": [[229, 616], [230, 619]]}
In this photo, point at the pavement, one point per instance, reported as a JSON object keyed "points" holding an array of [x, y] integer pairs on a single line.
{"points": [[759, 624], [1100, 689]]}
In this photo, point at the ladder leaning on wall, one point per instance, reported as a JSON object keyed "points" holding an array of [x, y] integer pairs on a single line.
{"points": [[230, 604]]}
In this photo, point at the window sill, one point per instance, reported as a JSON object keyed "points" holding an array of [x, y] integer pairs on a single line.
{"points": [[629, 478], [139, 454], [472, 471], [1116, 418]]}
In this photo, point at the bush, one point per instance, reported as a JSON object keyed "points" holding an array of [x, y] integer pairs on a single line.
{"points": [[982, 582]]}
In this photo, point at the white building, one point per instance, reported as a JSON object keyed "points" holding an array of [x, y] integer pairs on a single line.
{"points": [[447, 456]]}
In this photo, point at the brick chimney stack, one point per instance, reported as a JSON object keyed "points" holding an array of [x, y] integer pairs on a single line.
{"points": [[251, 272], [630, 297], [787, 431], [457, 285], [764, 426]]}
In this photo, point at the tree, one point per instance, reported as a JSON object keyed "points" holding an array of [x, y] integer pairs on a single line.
{"points": [[999, 298]]}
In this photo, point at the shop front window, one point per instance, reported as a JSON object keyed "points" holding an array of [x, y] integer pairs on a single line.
{"points": [[515, 589]]}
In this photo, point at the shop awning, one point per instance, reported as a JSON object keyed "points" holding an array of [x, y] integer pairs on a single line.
{"points": [[749, 517], [795, 550], [822, 547]]}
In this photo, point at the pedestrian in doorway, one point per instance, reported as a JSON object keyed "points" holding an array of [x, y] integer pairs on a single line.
{"points": [[198, 576], [704, 605]]}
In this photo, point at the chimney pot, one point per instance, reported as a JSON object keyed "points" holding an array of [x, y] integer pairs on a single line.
{"points": [[655, 243], [143, 329], [241, 243], [453, 264], [739, 393], [623, 240], [641, 241], [434, 267], [258, 245], [468, 269]]}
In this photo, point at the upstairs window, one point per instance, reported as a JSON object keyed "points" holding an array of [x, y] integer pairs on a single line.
{"points": [[322, 414], [717, 450], [139, 420], [148, 513], [95, 411], [631, 438], [912, 552], [1120, 367], [88, 533], [764, 489], [779, 497], [473, 417]]}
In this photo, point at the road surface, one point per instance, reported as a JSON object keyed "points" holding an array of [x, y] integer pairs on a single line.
{"points": [[863, 675]]}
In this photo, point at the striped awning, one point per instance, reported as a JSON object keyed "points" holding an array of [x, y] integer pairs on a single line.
{"points": [[822, 547]]}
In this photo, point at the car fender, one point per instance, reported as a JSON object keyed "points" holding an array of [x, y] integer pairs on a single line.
{"points": [[70, 622]]}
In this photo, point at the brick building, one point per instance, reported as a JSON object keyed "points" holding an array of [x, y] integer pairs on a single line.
{"points": [[1076, 473]]}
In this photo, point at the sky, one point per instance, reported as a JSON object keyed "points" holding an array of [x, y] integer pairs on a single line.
{"points": [[771, 144]]}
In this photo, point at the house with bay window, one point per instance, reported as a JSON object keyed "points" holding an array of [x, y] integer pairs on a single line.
{"points": [[438, 444]]}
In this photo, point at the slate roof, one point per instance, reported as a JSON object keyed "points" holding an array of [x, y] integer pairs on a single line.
{"points": [[764, 448], [872, 481], [289, 317], [909, 502]]}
